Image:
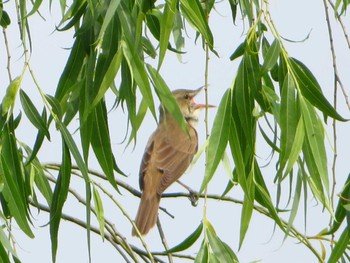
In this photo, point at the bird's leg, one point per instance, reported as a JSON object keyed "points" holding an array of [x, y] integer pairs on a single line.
{"points": [[193, 194]]}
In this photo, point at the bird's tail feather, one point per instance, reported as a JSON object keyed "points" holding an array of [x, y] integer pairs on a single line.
{"points": [[147, 214]]}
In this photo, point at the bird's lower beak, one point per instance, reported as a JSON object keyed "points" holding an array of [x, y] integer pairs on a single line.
{"points": [[200, 106]]}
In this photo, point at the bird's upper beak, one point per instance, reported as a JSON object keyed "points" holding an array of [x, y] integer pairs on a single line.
{"points": [[196, 105]]}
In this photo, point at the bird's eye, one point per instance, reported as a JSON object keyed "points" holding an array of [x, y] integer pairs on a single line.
{"points": [[186, 97]]}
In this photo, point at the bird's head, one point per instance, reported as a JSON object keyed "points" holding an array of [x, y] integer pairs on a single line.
{"points": [[189, 108]]}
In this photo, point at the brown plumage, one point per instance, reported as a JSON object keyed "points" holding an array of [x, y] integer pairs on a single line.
{"points": [[168, 154]]}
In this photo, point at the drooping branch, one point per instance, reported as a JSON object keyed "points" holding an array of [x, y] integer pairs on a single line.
{"points": [[293, 232]]}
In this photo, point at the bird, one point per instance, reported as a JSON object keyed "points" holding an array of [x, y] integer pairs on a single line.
{"points": [[168, 153]]}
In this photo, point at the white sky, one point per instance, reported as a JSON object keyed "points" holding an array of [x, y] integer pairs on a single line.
{"points": [[294, 20]]}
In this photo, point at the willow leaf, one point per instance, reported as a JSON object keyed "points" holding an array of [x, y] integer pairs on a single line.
{"points": [[33, 114], [271, 57], [166, 97], [288, 118], [222, 251], [189, 241], [311, 90], [340, 247], [166, 26], [315, 137], [59, 198], [203, 253], [194, 13], [219, 138], [101, 143]]}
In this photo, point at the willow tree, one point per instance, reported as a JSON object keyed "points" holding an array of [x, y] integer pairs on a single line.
{"points": [[119, 47]]}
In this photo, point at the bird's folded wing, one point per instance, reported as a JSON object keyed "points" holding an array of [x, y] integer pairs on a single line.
{"points": [[174, 157]]}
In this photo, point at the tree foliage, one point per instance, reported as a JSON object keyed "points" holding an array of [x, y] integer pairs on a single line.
{"points": [[120, 46]]}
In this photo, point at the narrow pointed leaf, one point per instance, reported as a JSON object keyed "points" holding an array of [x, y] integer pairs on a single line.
{"points": [[59, 198], [219, 138], [99, 211], [14, 189], [33, 115], [315, 138], [194, 13], [132, 53], [221, 251], [311, 90], [247, 211], [101, 143], [111, 10], [8, 100], [203, 253], [271, 57], [72, 69], [340, 247], [288, 119], [166, 97], [166, 26], [189, 241]]}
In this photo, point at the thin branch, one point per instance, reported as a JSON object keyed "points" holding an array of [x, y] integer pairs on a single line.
{"points": [[293, 232], [337, 79], [330, 37], [8, 66], [342, 25], [165, 243]]}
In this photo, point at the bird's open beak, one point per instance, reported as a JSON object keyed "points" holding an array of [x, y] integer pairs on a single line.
{"points": [[196, 105]]}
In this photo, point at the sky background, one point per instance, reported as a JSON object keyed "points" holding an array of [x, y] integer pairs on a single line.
{"points": [[294, 21]]}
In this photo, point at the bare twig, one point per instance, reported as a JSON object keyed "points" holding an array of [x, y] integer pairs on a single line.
{"points": [[342, 25], [8, 66], [165, 243]]}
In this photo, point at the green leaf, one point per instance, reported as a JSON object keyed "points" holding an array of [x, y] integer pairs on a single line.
{"points": [[311, 90], [289, 118], [33, 115], [237, 154], [38, 141], [14, 186], [194, 13], [99, 211], [220, 249], [71, 71], [218, 139], [247, 211], [315, 138], [132, 53], [203, 253], [233, 5], [8, 101], [111, 10], [166, 26], [59, 198], [271, 57], [166, 97], [35, 8], [340, 211], [262, 196], [5, 243], [340, 246], [244, 102], [5, 20], [101, 143], [83, 169], [295, 206], [189, 241], [296, 147], [138, 120], [240, 50]]}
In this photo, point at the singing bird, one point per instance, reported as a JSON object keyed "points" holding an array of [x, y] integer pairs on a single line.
{"points": [[168, 154]]}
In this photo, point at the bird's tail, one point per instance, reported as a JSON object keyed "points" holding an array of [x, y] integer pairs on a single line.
{"points": [[147, 214]]}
